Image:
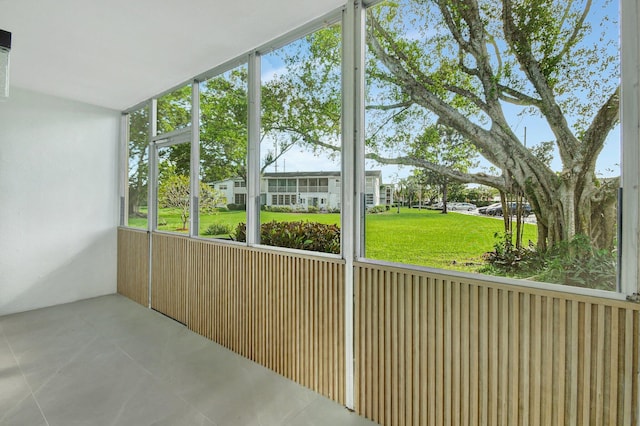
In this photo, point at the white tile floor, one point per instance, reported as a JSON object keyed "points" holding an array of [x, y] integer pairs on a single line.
{"points": [[109, 361]]}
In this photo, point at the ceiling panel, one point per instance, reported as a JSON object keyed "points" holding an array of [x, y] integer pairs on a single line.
{"points": [[117, 53]]}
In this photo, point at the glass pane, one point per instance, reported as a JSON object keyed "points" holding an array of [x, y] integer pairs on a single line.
{"points": [[174, 110], [174, 199], [301, 111], [223, 153], [499, 152], [138, 168]]}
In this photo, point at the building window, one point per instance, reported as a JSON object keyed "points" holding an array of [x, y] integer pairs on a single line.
{"points": [[223, 187], [239, 184], [368, 199], [240, 199]]}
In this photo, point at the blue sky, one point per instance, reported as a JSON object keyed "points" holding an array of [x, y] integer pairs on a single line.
{"points": [[536, 128]]}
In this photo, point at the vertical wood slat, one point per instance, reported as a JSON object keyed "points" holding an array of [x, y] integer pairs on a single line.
{"points": [[133, 265], [171, 257], [487, 353], [280, 310]]}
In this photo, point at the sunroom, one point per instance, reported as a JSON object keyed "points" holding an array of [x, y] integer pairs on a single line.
{"points": [[123, 121]]}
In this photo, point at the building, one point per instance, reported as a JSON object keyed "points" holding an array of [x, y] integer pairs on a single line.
{"points": [[301, 190]]}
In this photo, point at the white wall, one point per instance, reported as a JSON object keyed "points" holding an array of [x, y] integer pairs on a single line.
{"points": [[58, 201]]}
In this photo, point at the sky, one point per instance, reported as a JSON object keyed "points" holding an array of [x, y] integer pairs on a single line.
{"points": [[537, 130]]}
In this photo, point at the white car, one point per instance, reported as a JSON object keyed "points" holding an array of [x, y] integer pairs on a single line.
{"points": [[461, 206]]}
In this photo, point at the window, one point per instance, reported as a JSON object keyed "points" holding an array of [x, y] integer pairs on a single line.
{"points": [[223, 151], [429, 109], [138, 167], [174, 161], [240, 199], [301, 123], [368, 199], [174, 201]]}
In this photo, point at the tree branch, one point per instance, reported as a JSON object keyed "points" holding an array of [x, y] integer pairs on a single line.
{"points": [[519, 42], [404, 105], [479, 178]]}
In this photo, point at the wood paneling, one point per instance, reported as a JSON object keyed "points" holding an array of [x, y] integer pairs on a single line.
{"points": [[429, 349], [133, 265], [171, 258], [432, 350], [283, 311]]}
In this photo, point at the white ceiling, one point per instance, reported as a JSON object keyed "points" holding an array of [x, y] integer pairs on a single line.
{"points": [[117, 53]]}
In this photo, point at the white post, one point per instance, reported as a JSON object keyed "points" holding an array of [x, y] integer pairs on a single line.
{"points": [[253, 152], [194, 172]]}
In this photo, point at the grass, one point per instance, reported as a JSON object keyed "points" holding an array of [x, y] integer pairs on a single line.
{"points": [[419, 237]]}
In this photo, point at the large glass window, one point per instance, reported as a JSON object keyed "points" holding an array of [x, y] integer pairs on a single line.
{"points": [[174, 188], [502, 119], [138, 167], [301, 142], [174, 161], [223, 153]]}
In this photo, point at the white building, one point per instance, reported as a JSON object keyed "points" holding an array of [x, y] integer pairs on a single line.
{"points": [[299, 190]]}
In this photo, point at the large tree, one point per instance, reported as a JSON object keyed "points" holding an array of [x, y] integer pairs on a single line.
{"points": [[138, 165], [468, 61]]}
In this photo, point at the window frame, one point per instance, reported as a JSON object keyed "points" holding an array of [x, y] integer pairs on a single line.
{"points": [[352, 179]]}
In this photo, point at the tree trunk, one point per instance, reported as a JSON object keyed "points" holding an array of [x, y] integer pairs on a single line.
{"points": [[444, 198]]}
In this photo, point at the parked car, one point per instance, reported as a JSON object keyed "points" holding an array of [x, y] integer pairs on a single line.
{"points": [[461, 206], [497, 211], [483, 210]]}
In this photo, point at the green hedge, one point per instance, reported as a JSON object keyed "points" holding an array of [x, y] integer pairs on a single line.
{"points": [[297, 235]]}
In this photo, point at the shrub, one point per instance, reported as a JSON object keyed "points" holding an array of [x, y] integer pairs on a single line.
{"points": [[218, 229], [236, 207], [377, 209], [222, 209], [312, 209], [279, 209], [574, 263], [297, 235]]}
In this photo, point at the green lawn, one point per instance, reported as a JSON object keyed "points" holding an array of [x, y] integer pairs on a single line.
{"points": [[418, 237]]}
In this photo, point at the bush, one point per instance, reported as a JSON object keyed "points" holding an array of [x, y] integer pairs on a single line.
{"points": [[574, 263], [279, 209], [377, 209], [577, 263], [297, 235], [236, 207], [222, 209], [218, 229], [312, 209]]}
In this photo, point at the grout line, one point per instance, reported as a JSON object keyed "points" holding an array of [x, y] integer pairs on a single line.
{"points": [[25, 381], [161, 381]]}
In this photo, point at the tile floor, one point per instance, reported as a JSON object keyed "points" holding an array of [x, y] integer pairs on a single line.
{"points": [[110, 361]]}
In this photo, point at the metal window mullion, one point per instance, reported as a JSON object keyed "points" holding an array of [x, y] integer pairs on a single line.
{"points": [[152, 184], [124, 170], [152, 210], [195, 160], [174, 137], [351, 175], [630, 114], [253, 151]]}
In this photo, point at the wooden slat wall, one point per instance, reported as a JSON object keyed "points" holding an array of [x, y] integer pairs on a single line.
{"points": [[133, 265], [283, 311], [435, 351], [171, 257]]}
